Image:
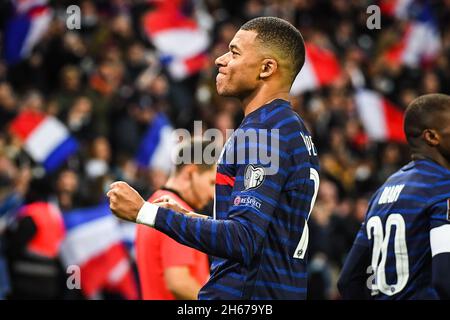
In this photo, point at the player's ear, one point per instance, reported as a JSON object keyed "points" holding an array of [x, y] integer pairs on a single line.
{"points": [[268, 67], [431, 137]]}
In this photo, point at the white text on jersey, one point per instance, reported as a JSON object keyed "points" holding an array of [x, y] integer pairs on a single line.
{"points": [[391, 194]]}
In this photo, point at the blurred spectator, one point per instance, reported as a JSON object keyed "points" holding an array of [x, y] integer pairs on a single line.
{"points": [[66, 190], [70, 89], [14, 183], [32, 249]]}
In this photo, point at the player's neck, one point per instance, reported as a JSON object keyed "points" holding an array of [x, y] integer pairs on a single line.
{"points": [[260, 98], [182, 188], [433, 156]]}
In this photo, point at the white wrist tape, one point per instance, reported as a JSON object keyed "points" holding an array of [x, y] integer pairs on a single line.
{"points": [[147, 214]]}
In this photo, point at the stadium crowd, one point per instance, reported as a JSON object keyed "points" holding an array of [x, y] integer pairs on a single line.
{"points": [[107, 84]]}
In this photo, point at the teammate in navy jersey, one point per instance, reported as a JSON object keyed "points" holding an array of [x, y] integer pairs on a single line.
{"points": [[258, 236], [402, 250]]}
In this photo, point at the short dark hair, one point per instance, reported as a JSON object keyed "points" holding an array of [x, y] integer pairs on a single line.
{"points": [[421, 114], [188, 149], [281, 36]]}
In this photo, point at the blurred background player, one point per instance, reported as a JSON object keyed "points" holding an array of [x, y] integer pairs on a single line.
{"points": [[167, 269], [405, 238]]}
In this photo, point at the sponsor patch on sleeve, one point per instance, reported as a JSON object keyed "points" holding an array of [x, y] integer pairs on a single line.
{"points": [[247, 201]]}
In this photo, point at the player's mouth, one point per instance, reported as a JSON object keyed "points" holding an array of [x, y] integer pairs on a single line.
{"points": [[219, 76]]}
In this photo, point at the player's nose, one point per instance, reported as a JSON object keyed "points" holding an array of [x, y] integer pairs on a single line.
{"points": [[221, 61]]}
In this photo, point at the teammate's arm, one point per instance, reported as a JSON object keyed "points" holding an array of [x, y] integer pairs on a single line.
{"points": [[440, 247], [440, 278], [354, 279]]}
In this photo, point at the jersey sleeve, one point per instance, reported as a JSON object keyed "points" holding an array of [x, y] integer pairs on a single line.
{"points": [[440, 227], [253, 200], [352, 283], [361, 237]]}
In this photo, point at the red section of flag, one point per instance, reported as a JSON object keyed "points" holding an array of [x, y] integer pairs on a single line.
{"points": [[325, 64], [166, 18], [224, 180], [37, 11], [394, 121], [394, 55], [96, 271], [25, 123], [125, 286], [196, 63], [387, 7]]}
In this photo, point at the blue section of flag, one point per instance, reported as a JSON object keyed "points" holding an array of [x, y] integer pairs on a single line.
{"points": [[151, 140], [59, 155], [421, 11], [16, 32], [81, 216], [166, 59]]}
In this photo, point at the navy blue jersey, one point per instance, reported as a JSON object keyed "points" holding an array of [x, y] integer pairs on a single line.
{"points": [[258, 235], [406, 225]]}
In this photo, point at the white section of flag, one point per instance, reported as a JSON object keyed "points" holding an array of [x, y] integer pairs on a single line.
{"points": [[178, 69], [162, 157], [306, 79], [45, 138], [39, 26], [119, 271], [78, 247], [181, 43], [422, 42], [371, 112], [401, 8]]}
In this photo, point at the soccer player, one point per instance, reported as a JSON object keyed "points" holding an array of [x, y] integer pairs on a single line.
{"points": [[258, 235], [402, 250], [167, 269]]}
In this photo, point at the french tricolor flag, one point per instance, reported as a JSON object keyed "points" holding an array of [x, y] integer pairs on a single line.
{"points": [[181, 43], [155, 150], [94, 243], [25, 28], [382, 120], [321, 68], [44, 138], [420, 41]]}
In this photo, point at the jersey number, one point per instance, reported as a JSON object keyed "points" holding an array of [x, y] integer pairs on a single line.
{"points": [[380, 247], [300, 251]]}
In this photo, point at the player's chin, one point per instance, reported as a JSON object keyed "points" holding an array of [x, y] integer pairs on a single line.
{"points": [[223, 91]]}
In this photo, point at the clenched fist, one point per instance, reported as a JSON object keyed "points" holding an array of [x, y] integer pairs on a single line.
{"points": [[124, 201]]}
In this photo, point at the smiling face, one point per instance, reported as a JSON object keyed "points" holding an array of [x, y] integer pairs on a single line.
{"points": [[240, 67]]}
